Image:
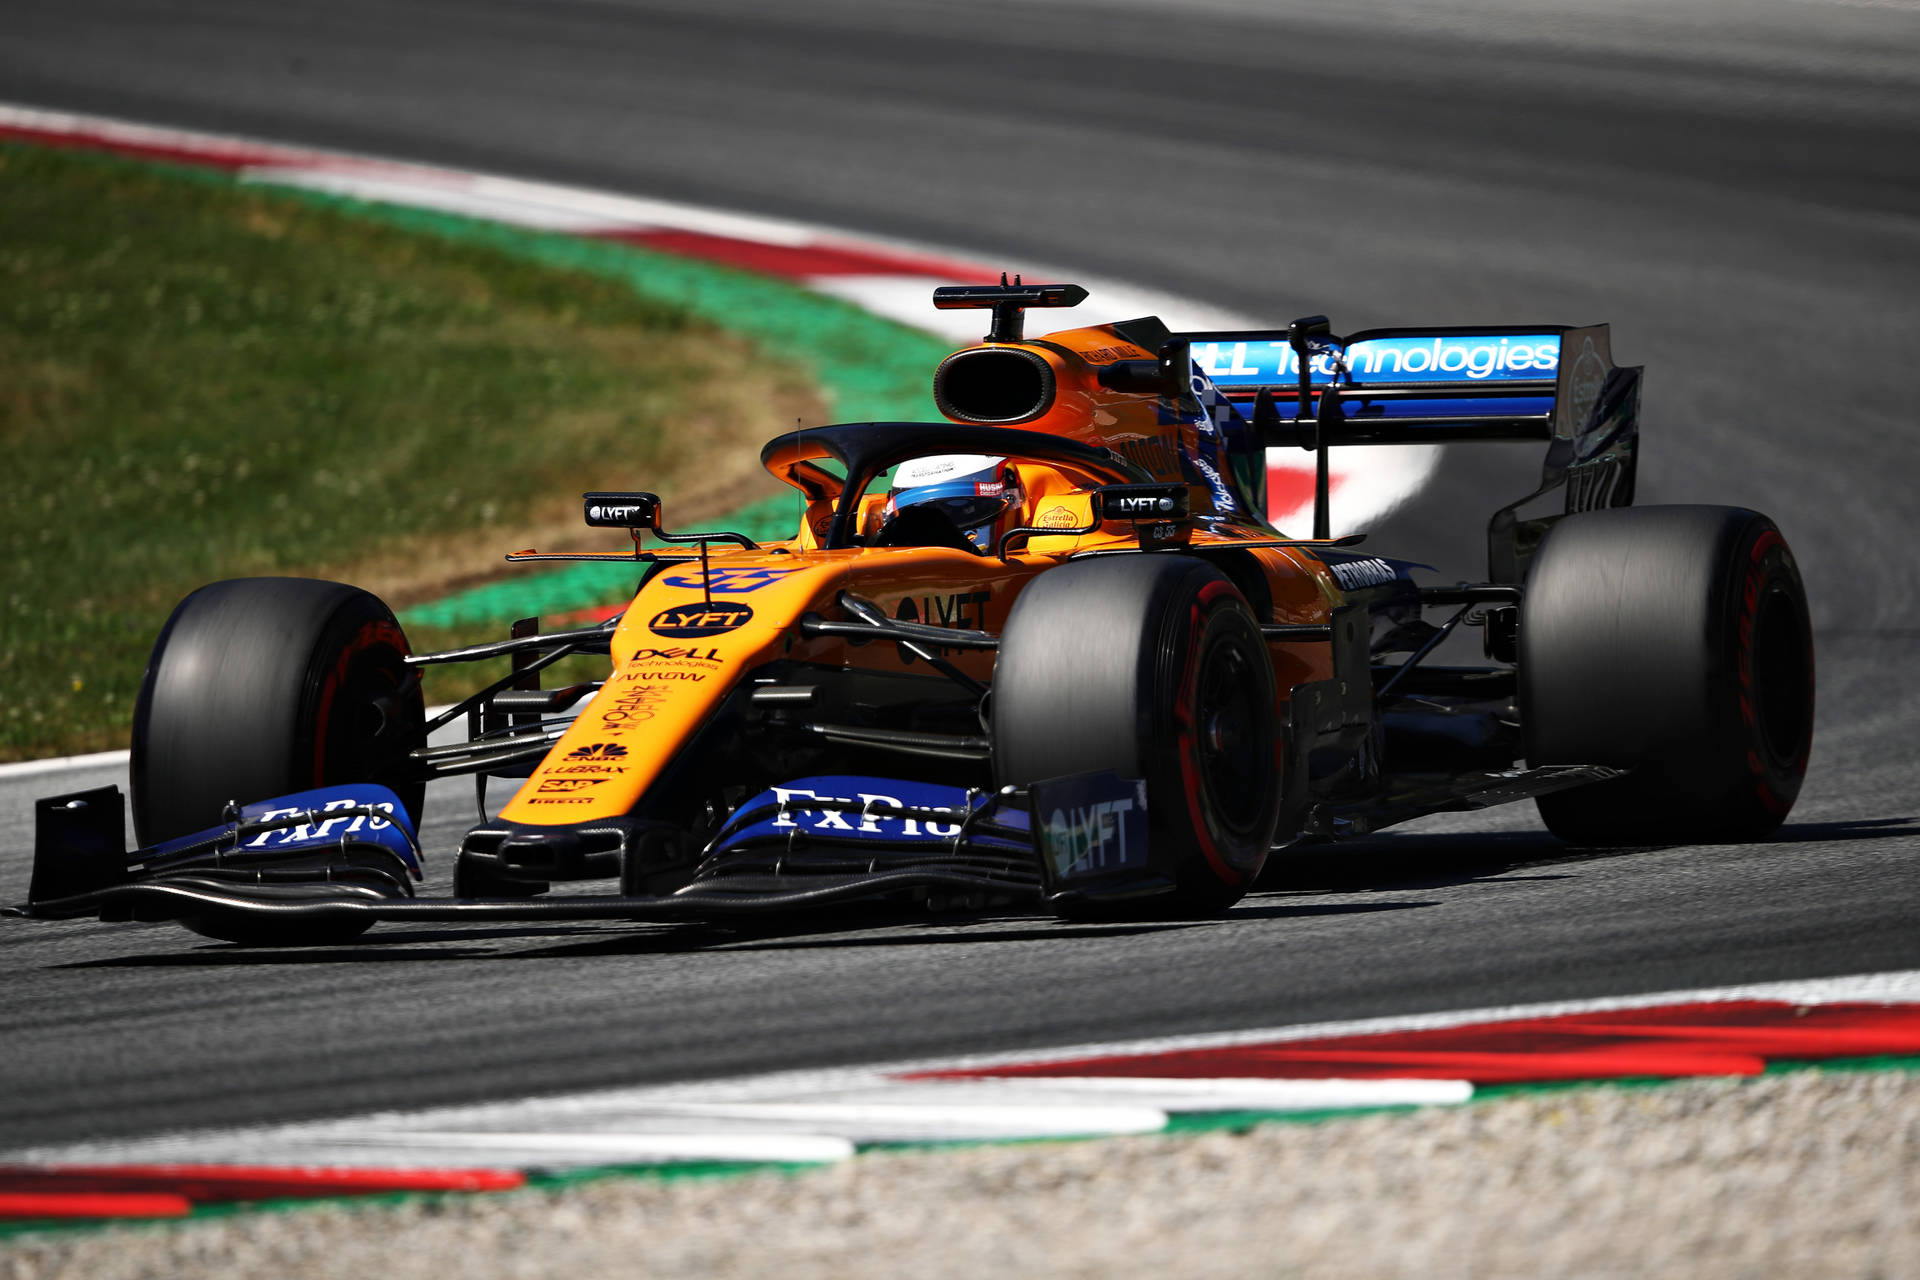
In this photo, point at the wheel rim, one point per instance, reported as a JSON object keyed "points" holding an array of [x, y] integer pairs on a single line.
{"points": [[1782, 678], [1232, 741], [373, 722]]}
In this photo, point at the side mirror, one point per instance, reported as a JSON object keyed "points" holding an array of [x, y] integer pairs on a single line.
{"points": [[1132, 377], [1300, 336], [1161, 514], [1176, 375], [1138, 502], [621, 510], [635, 512], [1008, 302], [1266, 422], [1301, 331]]}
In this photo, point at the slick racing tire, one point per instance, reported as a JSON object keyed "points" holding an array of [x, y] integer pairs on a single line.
{"points": [[1675, 642], [260, 687], [1151, 666]]}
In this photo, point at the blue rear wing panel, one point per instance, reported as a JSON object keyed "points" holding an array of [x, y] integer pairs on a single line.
{"points": [[1547, 383], [1403, 386], [1242, 361]]}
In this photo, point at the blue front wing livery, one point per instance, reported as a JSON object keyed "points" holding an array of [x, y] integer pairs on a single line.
{"points": [[307, 824], [879, 810]]}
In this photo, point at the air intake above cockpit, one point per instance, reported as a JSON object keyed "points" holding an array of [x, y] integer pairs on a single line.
{"points": [[997, 385]]}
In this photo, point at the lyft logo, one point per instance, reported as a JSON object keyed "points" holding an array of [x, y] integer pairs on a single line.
{"points": [[1089, 837]]}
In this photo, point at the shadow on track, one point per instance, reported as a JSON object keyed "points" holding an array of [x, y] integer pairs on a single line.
{"points": [[1374, 864], [880, 928], [1396, 861], [874, 929]]}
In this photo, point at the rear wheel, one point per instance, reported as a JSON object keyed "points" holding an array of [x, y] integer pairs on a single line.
{"points": [[1673, 641], [1151, 666], [260, 687]]}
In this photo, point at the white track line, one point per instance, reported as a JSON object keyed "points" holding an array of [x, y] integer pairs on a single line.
{"points": [[817, 1117], [97, 760], [1900, 987], [852, 1106], [422, 1149], [65, 764]]}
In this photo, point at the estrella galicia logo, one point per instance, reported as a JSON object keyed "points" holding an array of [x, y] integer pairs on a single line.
{"points": [[729, 582], [1058, 518], [684, 621], [597, 751]]}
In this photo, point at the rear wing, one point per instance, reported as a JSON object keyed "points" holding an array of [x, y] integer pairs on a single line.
{"points": [[1548, 383]]}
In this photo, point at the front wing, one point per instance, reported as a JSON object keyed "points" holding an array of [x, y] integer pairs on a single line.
{"points": [[347, 856]]}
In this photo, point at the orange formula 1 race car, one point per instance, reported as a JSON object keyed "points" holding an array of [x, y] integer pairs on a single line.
{"points": [[1045, 651]]}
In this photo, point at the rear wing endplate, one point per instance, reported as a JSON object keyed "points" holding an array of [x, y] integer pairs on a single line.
{"points": [[1549, 383]]}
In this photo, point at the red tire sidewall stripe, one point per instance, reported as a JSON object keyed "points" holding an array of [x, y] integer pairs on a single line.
{"points": [[374, 632], [1210, 597], [1753, 581]]}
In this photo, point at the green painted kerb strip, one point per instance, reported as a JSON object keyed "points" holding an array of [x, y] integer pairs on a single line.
{"points": [[871, 369]]}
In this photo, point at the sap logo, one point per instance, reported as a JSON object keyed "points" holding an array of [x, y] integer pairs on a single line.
{"points": [[794, 816], [1093, 837], [729, 582], [683, 621], [1353, 574], [569, 784], [326, 829]]}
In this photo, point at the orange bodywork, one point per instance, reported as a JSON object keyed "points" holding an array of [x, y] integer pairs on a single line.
{"points": [[689, 639]]}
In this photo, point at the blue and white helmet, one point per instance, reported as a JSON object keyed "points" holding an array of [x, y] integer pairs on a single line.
{"points": [[973, 490]]}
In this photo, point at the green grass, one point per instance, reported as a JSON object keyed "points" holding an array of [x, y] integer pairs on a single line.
{"points": [[201, 380]]}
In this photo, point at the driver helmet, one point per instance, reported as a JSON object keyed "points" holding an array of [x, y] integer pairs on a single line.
{"points": [[975, 491]]}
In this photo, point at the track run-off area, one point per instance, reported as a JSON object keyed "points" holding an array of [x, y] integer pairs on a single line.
{"points": [[1720, 183]]}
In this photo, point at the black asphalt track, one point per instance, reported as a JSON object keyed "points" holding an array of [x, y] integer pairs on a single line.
{"points": [[1735, 187]]}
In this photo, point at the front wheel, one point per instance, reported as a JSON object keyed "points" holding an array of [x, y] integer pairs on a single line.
{"points": [[1153, 667], [262, 687], [1674, 642]]}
